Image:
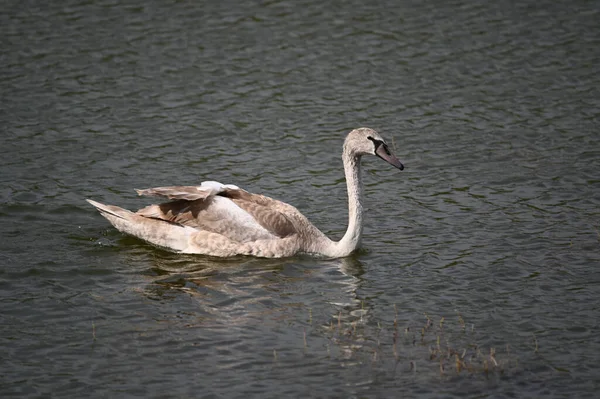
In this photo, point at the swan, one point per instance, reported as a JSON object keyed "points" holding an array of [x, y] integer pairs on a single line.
{"points": [[224, 220]]}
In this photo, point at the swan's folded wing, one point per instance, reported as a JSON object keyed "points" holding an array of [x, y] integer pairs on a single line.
{"points": [[216, 214], [275, 216], [189, 193], [224, 209]]}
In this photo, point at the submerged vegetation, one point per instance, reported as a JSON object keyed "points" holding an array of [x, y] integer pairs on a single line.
{"points": [[447, 345]]}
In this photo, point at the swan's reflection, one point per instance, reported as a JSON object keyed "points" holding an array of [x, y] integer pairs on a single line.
{"points": [[318, 296], [351, 266], [200, 275], [243, 286]]}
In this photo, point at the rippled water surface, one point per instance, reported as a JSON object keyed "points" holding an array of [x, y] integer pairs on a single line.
{"points": [[479, 274]]}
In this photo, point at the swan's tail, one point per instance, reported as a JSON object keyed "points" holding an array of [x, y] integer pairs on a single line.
{"points": [[155, 231]]}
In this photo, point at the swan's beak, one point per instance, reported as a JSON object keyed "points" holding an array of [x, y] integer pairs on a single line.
{"points": [[384, 153]]}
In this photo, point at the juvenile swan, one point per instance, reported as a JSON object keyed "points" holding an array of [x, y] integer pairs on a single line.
{"points": [[224, 220]]}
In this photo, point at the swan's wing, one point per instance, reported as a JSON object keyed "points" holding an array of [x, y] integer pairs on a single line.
{"points": [[275, 216], [190, 193], [223, 209]]}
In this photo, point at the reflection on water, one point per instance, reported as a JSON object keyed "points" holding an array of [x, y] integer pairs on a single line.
{"points": [[235, 288], [233, 293]]}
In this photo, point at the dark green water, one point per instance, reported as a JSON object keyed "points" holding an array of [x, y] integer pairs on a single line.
{"points": [[479, 275]]}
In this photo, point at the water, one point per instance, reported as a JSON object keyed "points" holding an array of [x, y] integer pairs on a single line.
{"points": [[488, 241]]}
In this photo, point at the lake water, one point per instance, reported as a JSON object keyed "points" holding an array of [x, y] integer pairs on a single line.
{"points": [[479, 274]]}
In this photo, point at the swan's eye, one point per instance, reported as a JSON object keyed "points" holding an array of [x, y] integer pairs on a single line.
{"points": [[376, 143]]}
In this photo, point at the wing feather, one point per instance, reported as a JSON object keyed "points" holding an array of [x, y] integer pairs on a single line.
{"points": [[189, 193], [224, 209]]}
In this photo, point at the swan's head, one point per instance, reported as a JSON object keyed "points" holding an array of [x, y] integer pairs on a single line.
{"points": [[365, 141]]}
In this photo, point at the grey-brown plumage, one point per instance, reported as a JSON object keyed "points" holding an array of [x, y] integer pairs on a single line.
{"points": [[223, 220]]}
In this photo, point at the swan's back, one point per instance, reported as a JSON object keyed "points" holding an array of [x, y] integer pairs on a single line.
{"points": [[232, 212], [219, 220]]}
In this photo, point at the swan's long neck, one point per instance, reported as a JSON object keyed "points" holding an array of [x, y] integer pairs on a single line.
{"points": [[351, 239]]}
